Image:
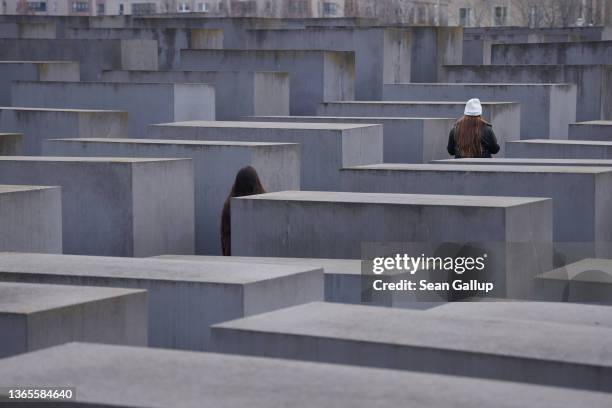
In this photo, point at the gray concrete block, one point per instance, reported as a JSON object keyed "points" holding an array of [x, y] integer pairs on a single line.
{"points": [[580, 53], [326, 148], [585, 220], [504, 116], [24, 29], [586, 281], [405, 140], [553, 104], [11, 144], [493, 348], [593, 130], [560, 149], [215, 165], [129, 377], [38, 124], [38, 316], [146, 103], [335, 225], [237, 93], [34, 71], [185, 298], [314, 76], [530, 162], [93, 56], [593, 82], [114, 206], [31, 219]]}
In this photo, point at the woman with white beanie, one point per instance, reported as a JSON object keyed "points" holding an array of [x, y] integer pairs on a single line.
{"points": [[471, 136]]}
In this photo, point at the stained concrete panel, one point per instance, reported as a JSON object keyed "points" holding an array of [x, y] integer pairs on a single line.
{"points": [[592, 130], [30, 219], [38, 124], [215, 165], [146, 103], [146, 377], [34, 316], [580, 53], [11, 144], [237, 93], [114, 206], [405, 140], [314, 76], [93, 56], [493, 348], [185, 298], [34, 71], [335, 225], [326, 148], [553, 104], [504, 116], [560, 149]]}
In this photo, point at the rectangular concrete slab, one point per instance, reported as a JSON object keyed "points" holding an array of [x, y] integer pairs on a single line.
{"points": [[215, 165], [38, 124], [11, 144], [145, 103], [31, 219], [115, 206], [592, 130], [185, 298], [34, 71], [237, 93], [504, 116], [326, 147], [93, 56], [314, 76], [406, 140], [150, 378], [529, 162], [34, 316], [336, 225], [580, 53], [553, 104], [494, 348], [560, 149]]}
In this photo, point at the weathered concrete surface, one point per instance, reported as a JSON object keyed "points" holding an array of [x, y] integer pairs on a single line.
{"points": [[215, 165], [38, 124], [553, 104], [588, 281], [34, 71], [594, 89], [503, 349], [146, 103], [593, 130], [530, 162], [38, 316], [583, 221], [504, 116], [237, 93], [405, 140], [185, 298], [326, 147], [93, 55], [11, 144], [30, 219], [27, 30], [114, 206], [560, 149], [334, 225], [150, 378], [580, 53], [314, 76]]}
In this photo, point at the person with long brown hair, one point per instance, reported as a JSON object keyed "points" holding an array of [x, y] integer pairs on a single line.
{"points": [[246, 183], [471, 136]]}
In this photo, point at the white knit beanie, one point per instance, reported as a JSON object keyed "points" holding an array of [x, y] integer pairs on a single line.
{"points": [[473, 107]]}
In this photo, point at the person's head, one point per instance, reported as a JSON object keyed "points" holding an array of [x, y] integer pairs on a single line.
{"points": [[468, 130], [247, 183]]}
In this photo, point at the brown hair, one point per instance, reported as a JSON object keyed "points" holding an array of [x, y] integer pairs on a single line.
{"points": [[246, 183], [468, 131]]}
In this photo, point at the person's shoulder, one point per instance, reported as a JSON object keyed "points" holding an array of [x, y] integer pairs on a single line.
{"points": [[487, 124]]}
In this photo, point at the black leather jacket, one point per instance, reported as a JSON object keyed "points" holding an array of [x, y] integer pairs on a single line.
{"points": [[488, 140]]}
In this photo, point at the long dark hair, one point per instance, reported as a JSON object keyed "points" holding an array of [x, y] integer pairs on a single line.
{"points": [[247, 183], [468, 132]]}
